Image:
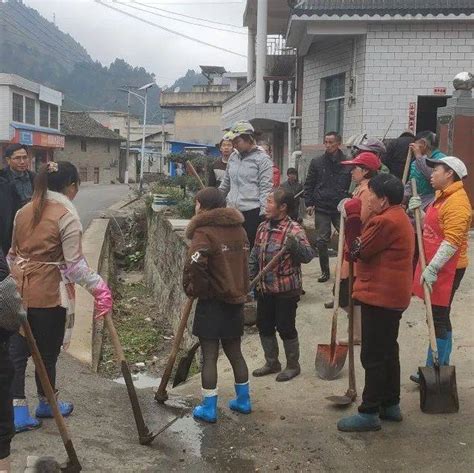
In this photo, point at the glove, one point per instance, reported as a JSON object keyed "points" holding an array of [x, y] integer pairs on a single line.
{"points": [[291, 244], [340, 207], [414, 203], [103, 300], [352, 207], [445, 252]]}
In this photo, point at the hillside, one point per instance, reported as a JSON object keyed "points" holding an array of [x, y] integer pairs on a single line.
{"points": [[35, 48]]}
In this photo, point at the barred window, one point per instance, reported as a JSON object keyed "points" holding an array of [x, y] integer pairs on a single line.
{"points": [[17, 108], [334, 103], [44, 114], [29, 110]]}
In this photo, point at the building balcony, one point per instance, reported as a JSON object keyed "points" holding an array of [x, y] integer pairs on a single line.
{"points": [[278, 105]]}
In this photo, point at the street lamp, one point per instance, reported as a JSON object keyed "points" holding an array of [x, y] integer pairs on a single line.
{"points": [[143, 99]]}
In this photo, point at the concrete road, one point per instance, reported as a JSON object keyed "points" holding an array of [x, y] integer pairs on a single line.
{"points": [[93, 199]]}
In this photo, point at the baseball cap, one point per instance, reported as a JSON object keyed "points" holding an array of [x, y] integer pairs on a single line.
{"points": [[369, 160], [242, 128], [371, 144], [452, 162]]}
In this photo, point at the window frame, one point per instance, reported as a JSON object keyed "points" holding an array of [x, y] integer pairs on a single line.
{"points": [[30, 120], [340, 99], [55, 109], [43, 106], [14, 108], [83, 145]]}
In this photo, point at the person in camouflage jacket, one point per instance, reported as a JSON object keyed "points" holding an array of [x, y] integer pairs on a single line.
{"points": [[279, 291]]}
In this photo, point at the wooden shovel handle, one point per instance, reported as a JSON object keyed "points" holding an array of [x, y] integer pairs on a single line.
{"points": [[337, 288], [161, 393], [193, 171], [426, 290], [352, 380], [407, 167], [49, 392], [271, 264], [114, 338]]}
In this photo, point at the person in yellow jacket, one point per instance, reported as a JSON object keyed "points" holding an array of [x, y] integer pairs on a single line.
{"points": [[445, 235]]}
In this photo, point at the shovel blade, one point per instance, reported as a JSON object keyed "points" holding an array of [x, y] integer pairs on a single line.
{"points": [[340, 400], [329, 362], [184, 366], [438, 390]]}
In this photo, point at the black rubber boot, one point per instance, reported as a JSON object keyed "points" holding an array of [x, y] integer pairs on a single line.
{"points": [[292, 351], [270, 350], [324, 263]]}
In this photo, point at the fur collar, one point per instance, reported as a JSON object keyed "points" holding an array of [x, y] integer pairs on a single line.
{"points": [[63, 200], [224, 217]]}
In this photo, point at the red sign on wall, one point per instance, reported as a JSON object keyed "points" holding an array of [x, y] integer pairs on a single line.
{"points": [[439, 90], [412, 116], [36, 138]]}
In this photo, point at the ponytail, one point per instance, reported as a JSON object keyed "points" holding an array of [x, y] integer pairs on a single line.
{"points": [[54, 177]]}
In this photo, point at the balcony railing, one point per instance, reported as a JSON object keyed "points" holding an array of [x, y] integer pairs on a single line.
{"points": [[276, 46], [279, 89]]}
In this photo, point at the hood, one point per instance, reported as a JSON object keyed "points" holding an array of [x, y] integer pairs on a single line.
{"points": [[222, 217]]}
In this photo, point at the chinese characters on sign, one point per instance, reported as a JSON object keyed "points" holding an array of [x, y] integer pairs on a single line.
{"points": [[439, 90], [412, 116]]}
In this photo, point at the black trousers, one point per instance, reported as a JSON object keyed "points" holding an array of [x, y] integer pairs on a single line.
{"points": [[48, 327], [322, 225], [380, 358], [251, 223], [276, 312], [6, 408], [441, 315]]}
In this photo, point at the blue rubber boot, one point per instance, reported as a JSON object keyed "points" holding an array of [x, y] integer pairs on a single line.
{"points": [[207, 410], [442, 345], [44, 408], [360, 423], [392, 413], [449, 348], [21, 416], [242, 403]]}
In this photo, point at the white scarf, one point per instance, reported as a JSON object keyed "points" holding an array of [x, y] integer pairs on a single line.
{"points": [[64, 200]]}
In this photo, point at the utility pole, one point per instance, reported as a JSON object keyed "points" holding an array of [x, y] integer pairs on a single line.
{"points": [[127, 152], [163, 142], [142, 164]]}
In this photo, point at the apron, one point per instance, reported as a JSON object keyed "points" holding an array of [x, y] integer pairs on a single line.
{"points": [[67, 291], [432, 237]]}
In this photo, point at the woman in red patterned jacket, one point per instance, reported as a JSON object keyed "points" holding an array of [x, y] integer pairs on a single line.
{"points": [[279, 291]]}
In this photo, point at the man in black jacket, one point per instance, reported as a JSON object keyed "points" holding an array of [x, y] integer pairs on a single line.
{"points": [[396, 155], [18, 172], [327, 183]]}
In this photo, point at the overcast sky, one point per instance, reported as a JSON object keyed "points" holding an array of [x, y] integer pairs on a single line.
{"points": [[107, 34]]}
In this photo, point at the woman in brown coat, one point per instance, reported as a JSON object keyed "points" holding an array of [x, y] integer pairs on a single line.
{"points": [[384, 252], [216, 273]]}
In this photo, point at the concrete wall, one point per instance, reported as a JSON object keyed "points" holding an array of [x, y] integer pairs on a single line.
{"points": [[395, 63], [199, 125], [164, 261], [96, 156]]}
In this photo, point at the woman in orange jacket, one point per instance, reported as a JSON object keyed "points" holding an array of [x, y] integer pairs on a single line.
{"points": [[445, 236]]}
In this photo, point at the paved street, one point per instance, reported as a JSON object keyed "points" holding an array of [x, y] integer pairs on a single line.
{"points": [[93, 199]]}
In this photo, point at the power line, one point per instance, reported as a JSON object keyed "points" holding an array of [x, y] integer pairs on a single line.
{"points": [[175, 19], [169, 30], [188, 16], [196, 3]]}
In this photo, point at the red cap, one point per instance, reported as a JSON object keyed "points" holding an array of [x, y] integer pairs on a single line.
{"points": [[369, 160]]}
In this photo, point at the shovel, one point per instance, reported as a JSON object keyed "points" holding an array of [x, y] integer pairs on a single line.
{"points": [[185, 363], [438, 389], [351, 393], [330, 358], [145, 437], [73, 464]]}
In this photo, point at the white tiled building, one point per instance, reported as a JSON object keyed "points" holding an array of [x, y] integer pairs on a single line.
{"points": [[362, 66]]}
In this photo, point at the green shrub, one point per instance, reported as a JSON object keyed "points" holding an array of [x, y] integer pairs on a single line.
{"points": [[185, 208]]}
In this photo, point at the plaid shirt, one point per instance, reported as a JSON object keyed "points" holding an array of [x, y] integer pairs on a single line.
{"points": [[286, 275]]}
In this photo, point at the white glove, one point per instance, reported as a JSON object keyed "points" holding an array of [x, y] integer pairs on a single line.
{"points": [[445, 252], [340, 207], [414, 203]]}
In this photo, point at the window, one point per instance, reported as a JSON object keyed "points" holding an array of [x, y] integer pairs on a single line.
{"points": [[117, 130], [108, 146], [44, 114], [17, 108], [83, 145], [29, 110], [83, 174], [53, 117], [334, 103]]}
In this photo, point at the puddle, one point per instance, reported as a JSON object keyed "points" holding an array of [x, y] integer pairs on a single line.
{"points": [[141, 381], [190, 433]]}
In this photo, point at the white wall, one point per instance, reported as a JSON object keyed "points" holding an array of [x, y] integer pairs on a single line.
{"points": [[407, 60], [325, 59], [5, 112], [395, 63]]}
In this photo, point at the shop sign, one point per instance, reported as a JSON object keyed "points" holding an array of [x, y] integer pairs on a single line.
{"points": [[36, 138], [439, 90], [26, 138]]}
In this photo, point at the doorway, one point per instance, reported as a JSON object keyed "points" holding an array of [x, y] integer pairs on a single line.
{"points": [[96, 176], [426, 117]]}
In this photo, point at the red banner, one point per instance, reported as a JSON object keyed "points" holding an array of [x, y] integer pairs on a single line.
{"points": [[37, 138]]}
